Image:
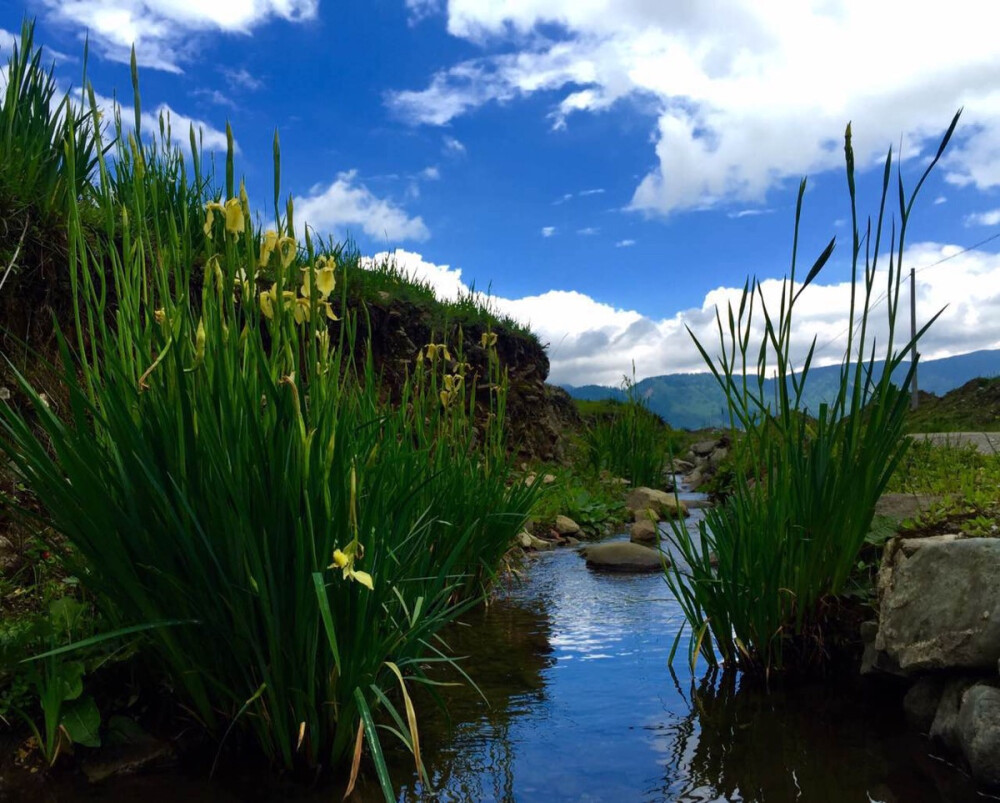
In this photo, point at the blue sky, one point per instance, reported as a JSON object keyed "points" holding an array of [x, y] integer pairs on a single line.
{"points": [[610, 169]]}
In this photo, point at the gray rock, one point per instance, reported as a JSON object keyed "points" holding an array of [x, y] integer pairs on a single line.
{"points": [[944, 728], [623, 556], [979, 733], [921, 702], [940, 604], [529, 541], [664, 503], [644, 531], [703, 448], [566, 526], [649, 514], [718, 455], [679, 466]]}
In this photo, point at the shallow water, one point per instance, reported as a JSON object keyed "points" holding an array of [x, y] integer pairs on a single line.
{"points": [[582, 706], [585, 708]]}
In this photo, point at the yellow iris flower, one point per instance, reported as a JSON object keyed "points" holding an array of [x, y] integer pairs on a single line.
{"points": [[269, 300], [325, 279], [268, 242], [231, 210], [344, 560]]}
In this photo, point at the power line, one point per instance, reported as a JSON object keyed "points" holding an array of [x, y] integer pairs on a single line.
{"points": [[883, 296]]}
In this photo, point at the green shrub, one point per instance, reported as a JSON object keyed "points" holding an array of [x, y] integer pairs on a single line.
{"points": [[789, 534]]}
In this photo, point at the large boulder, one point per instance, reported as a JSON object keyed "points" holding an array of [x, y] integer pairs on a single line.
{"points": [[623, 556], [664, 503], [979, 733], [939, 603], [566, 526], [644, 531]]}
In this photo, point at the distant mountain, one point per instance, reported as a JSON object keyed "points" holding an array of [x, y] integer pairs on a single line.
{"points": [[694, 401]]}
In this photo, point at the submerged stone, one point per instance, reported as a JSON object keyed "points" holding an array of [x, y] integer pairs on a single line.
{"points": [[624, 556]]}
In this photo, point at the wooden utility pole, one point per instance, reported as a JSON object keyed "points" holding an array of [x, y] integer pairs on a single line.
{"points": [[914, 392]]}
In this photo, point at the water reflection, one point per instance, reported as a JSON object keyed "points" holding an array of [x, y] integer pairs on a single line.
{"points": [[469, 748]]}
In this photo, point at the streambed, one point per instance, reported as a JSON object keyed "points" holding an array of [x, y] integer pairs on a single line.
{"points": [[583, 707]]}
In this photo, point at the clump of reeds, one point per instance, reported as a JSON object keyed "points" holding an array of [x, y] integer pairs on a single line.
{"points": [[788, 536]]}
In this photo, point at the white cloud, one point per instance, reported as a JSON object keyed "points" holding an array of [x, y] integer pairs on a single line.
{"points": [[598, 191], [344, 204], [990, 218], [421, 9], [748, 213], [444, 280], [746, 94], [624, 243], [215, 97], [593, 342], [7, 41], [161, 29], [452, 147], [179, 124], [242, 79], [587, 231], [430, 173], [548, 231], [940, 200]]}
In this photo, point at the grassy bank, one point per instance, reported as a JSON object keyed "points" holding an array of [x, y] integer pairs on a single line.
{"points": [[213, 462]]}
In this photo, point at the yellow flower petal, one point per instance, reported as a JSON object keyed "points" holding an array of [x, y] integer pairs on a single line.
{"points": [[234, 216], [301, 310], [267, 300], [287, 249], [267, 245], [364, 578], [340, 560], [326, 281]]}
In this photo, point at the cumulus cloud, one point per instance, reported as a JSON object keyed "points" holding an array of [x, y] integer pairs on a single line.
{"points": [[594, 342], [345, 204], [745, 94], [548, 231], [161, 30], [624, 243], [990, 218]]}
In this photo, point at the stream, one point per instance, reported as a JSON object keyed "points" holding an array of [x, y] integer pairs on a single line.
{"points": [[580, 705]]}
